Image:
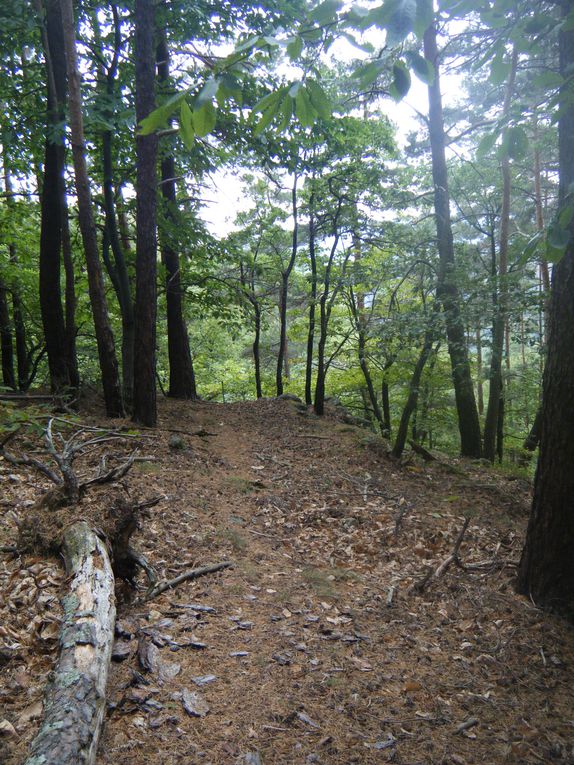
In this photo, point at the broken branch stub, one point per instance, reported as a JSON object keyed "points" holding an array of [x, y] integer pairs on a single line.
{"points": [[75, 699]]}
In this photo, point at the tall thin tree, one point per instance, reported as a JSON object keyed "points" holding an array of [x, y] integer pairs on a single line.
{"points": [[145, 403]]}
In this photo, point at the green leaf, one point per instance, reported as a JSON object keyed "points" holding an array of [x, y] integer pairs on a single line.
{"points": [[186, 125], [319, 99], [266, 118], [565, 216], [368, 73], [295, 48], [304, 109], [531, 248], [208, 92], [269, 100], [401, 81], [486, 144], [424, 18], [568, 23], [499, 69], [204, 119], [326, 12], [557, 240], [547, 80], [423, 68], [285, 112], [516, 142], [158, 118], [295, 88], [402, 17]]}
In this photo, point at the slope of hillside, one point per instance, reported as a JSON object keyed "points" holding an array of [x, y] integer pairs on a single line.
{"points": [[338, 636]]}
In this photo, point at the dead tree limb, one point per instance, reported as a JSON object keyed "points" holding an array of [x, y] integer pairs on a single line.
{"points": [[452, 558], [75, 700], [193, 573]]}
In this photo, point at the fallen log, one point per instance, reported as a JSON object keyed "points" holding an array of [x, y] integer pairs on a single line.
{"points": [[75, 701]]}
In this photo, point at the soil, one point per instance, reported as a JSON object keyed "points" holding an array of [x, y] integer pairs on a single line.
{"points": [[336, 637]]}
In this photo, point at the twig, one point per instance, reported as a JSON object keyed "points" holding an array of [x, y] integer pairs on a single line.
{"points": [[194, 573], [268, 536], [452, 558], [115, 474], [470, 723]]}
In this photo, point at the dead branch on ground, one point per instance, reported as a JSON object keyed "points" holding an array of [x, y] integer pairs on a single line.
{"points": [[452, 558], [194, 573]]}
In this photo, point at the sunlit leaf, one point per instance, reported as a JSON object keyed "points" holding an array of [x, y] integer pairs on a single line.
{"points": [[401, 81], [186, 125], [204, 119]]}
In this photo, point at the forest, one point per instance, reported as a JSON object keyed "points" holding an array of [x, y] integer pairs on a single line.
{"points": [[358, 213]]}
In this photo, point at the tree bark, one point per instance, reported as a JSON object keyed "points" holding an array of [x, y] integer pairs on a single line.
{"points": [[145, 403], [104, 336], [51, 213], [181, 372], [6, 339], [500, 288], [75, 701], [285, 290], [447, 290], [312, 301], [546, 571]]}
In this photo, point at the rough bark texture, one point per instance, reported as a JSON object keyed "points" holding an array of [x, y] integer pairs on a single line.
{"points": [[145, 404], [51, 214], [104, 336], [546, 571], [181, 372], [75, 700], [447, 291]]}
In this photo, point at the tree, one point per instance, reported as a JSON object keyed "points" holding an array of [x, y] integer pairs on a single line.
{"points": [[447, 291], [546, 571], [145, 405], [104, 336]]}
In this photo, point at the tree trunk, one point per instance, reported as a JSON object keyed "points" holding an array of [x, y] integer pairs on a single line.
{"points": [[312, 301], [414, 387], [256, 347], [447, 291], [75, 701], [104, 336], [145, 404], [6, 339], [285, 290], [546, 571], [70, 294], [118, 271], [181, 372], [479, 385], [51, 213], [386, 407], [500, 275]]}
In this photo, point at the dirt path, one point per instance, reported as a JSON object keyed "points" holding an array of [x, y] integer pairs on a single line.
{"points": [[318, 650]]}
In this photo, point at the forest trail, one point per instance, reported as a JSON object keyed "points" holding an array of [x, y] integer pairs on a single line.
{"points": [[319, 648]]}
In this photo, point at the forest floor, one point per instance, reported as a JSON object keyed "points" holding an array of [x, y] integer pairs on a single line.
{"points": [[316, 646]]}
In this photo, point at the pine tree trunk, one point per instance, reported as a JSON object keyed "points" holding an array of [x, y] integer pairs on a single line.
{"points": [[51, 213], [546, 571], [6, 339], [104, 336], [181, 372], [145, 403], [447, 290]]}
